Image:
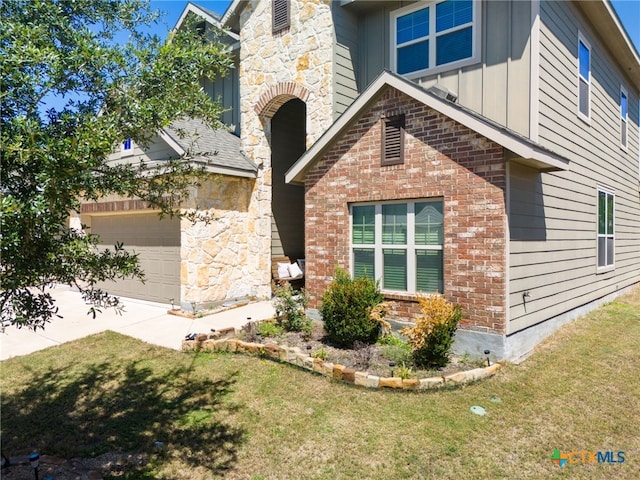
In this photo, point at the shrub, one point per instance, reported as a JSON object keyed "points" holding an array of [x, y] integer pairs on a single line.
{"points": [[431, 337], [290, 305], [404, 372], [347, 308], [322, 353], [269, 329]]}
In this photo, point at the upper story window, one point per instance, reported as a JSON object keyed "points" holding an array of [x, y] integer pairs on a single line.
{"points": [[624, 116], [280, 14], [584, 78], [127, 147], [434, 37]]}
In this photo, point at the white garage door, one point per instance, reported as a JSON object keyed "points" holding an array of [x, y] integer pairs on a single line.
{"points": [[157, 242]]}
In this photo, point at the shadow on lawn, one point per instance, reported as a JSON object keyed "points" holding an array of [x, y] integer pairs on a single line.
{"points": [[125, 407]]}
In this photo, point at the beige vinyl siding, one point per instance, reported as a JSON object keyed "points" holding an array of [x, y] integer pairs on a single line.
{"points": [[373, 44], [497, 87], [559, 268], [227, 91], [345, 55], [157, 150]]}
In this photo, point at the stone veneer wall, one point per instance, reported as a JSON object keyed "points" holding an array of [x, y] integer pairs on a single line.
{"points": [[442, 159], [274, 68], [221, 259]]}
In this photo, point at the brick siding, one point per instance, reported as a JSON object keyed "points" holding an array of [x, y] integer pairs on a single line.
{"points": [[442, 159]]}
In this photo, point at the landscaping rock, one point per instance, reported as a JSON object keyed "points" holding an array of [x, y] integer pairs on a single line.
{"points": [[232, 345], [360, 379], [457, 377], [373, 381], [410, 383], [308, 363], [337, 371], [349, 375], [318, 365], [390, 382], [433, 382], [224, 333], [272, 350]]}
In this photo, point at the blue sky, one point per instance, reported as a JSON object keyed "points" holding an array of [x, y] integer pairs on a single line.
{"points": [[627, 10]]}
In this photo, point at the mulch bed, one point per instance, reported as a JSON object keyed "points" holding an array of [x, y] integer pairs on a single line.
{"points": [[374, 359]]}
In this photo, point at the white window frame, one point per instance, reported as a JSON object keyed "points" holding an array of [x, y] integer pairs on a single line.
{"points": [[624, 120], [431, 70], [378, 246], [608, 266], [586, 117]]}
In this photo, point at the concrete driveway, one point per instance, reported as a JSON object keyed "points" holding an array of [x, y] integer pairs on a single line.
{"points": [[146, 321]]}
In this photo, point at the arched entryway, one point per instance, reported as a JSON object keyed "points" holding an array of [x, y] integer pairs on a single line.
{"points": [[288, 143]]}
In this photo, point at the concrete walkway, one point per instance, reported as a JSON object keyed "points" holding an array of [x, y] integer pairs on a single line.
{"points": [[146, 321]]}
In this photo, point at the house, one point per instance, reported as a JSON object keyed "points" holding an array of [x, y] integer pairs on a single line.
{"points": [[487, 150]]}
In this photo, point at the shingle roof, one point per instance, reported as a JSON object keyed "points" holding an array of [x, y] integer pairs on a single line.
{"points": [[218, 148]]}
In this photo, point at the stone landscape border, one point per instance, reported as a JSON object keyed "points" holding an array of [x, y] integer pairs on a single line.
{"points": [[216, 342]]}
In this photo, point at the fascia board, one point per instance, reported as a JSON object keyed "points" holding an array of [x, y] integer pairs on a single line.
{"points": [[192, 8], [169, 140]]}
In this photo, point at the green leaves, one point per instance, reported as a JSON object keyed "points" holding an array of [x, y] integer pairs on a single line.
{"points": [[54, 159]]}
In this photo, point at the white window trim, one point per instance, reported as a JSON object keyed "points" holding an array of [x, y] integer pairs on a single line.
{"points": [[126, 152], [378, 246], [608, 191], [624, 146], [475, 48], [587, 117]]}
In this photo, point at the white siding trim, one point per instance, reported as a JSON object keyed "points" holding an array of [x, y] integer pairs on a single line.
{"points": [[534, 88], [172, 143], [196, 10], [507, 233]]}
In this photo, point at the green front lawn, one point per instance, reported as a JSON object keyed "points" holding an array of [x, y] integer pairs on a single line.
{"points": [[237, 417]]}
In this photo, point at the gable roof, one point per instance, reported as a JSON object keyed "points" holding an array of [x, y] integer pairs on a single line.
{"points": [[523, 149], [219, 150], [208, 15]]}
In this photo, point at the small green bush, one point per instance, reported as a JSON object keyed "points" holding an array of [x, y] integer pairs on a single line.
{"points": [[393, 340], [269, 329], [397, 353], [347, 308], [431, 337], [290, 305]]}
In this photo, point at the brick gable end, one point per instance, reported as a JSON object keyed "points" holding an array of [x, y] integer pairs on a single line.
{"points": [[442, 159]]}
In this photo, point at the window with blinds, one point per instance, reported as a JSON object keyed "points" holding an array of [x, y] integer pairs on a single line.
{"points": [[606, 221], [399, 244], [280, 15], [393, 140]]}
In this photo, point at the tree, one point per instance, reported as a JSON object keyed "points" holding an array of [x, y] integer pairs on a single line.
{"points": [[54, 160]]}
